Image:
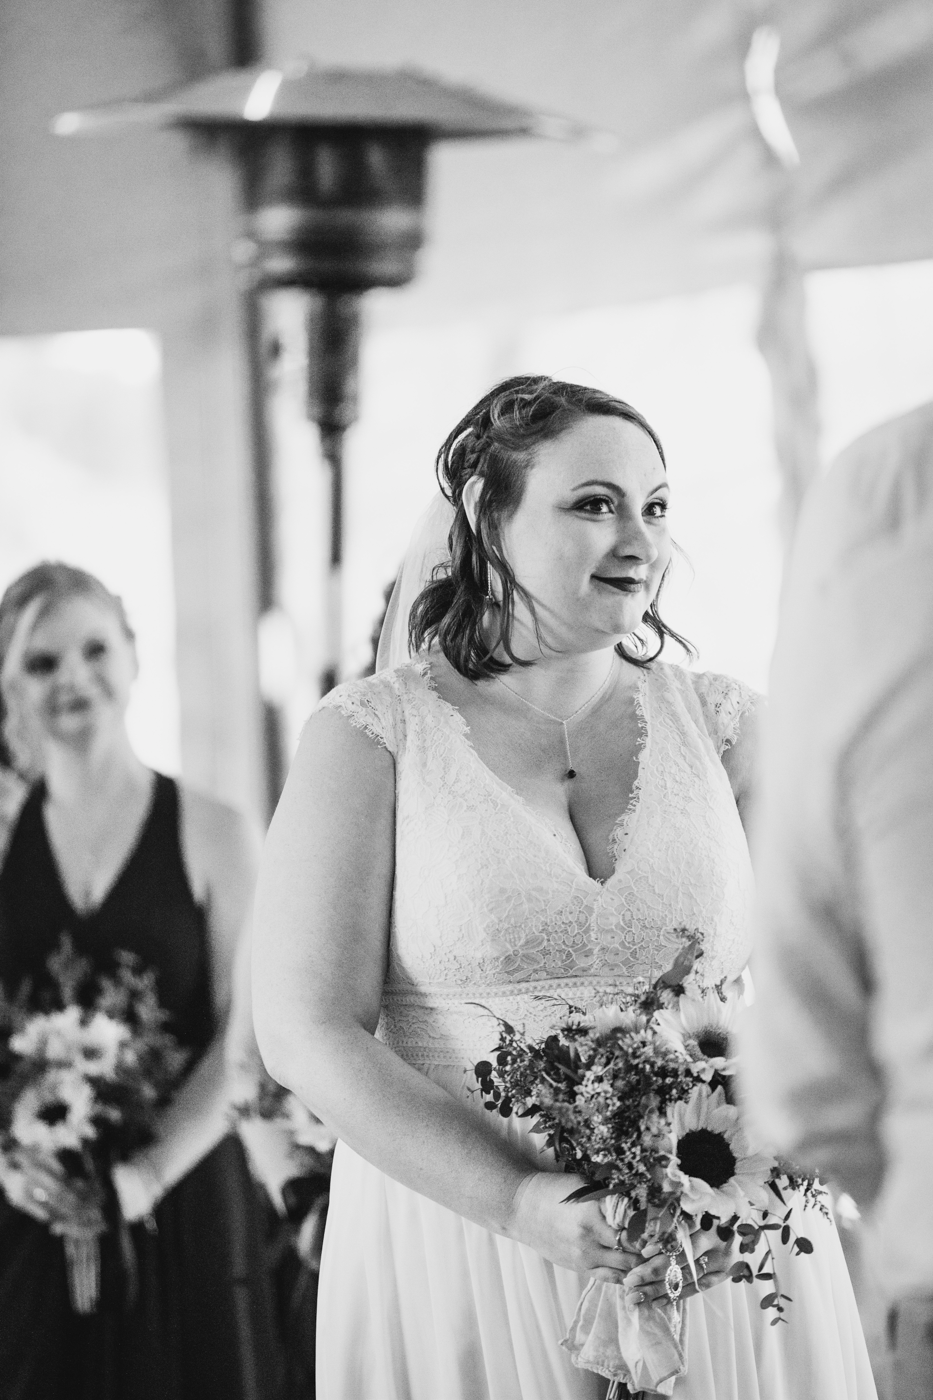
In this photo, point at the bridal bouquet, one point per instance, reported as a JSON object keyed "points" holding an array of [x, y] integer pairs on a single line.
{"points": [[638, 1098], [81, 1085]]}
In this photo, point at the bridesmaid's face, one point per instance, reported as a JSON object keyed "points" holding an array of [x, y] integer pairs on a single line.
{"points": [[589, 540], [78, 668]]}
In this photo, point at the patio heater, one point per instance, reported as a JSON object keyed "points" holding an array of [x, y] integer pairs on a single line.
{"points": [[333, 169]]}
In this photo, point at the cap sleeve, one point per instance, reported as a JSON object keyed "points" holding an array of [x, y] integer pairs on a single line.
{"points": [[372, 705], [724, 702]]}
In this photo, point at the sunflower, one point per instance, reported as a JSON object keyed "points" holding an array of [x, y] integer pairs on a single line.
{"points": [[712, 1166], [55, 1113], [703, 1029]]}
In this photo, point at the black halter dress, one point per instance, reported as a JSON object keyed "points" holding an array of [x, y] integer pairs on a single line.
{"points": [[202, 1326]]}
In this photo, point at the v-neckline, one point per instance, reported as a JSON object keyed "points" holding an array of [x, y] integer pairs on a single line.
{"points": [[85, 915], [622, 828]]}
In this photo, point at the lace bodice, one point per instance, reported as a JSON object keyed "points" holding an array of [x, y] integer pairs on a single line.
{"points": [[492, 906]]}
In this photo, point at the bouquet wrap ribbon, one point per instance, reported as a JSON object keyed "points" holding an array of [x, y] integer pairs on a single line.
{"points": [[643, 1346], [82, 1258]]}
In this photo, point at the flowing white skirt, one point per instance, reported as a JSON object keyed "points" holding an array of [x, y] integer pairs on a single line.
{"points": [[417, 1303]]}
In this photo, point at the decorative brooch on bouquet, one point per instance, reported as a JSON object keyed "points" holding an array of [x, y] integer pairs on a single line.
{"points": [[638, 1098], [81, 1086]]}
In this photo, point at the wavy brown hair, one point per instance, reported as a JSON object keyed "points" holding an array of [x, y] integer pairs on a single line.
{"points": [[496, 440]]}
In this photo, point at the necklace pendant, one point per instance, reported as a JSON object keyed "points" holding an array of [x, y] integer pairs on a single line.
{"points": [[674, 1281], [571, 772]]}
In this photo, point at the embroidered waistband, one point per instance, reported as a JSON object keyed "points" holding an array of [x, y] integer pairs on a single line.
{"points": [[444, 1027]]}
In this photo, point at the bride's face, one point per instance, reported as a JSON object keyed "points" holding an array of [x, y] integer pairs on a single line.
{"points": [[589, 540]]}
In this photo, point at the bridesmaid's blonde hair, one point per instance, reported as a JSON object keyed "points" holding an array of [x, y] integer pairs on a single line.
{"points": [[28, 598]]}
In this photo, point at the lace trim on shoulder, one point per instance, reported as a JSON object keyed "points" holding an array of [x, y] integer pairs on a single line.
{"points": [[725, 702], [422, 667], [370, 705]]}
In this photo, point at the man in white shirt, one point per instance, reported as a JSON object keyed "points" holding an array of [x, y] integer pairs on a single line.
{"points": [[840, 1043]]}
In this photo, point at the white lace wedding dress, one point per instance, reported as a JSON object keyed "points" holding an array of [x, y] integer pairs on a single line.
{"points": [[492, 906]]}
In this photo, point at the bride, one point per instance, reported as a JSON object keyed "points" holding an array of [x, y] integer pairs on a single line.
{"points": [[531, 809]]}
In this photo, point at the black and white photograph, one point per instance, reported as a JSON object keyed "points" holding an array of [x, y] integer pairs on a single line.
{"points": [[466, 700]]}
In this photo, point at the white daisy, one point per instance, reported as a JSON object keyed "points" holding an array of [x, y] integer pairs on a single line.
{"points": [[55, 1038], [73, 1038], [102, 1040], [712, 1165]]}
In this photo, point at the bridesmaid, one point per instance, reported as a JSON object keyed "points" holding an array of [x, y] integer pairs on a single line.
{"points": [[124, 858]]}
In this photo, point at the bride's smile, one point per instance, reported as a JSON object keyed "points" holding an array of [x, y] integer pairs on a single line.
{"points": [[589, 539]]}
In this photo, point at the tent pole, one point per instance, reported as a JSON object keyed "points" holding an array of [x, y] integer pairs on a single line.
{"points": [[782, 327], [784, 344]]}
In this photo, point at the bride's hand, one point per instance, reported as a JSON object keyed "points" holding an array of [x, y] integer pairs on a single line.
{"points": [[575, 1234], [712, 1260]]}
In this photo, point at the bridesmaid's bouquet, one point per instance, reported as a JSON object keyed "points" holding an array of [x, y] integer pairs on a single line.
{"points": [[639, 1098], [81, 1086]]}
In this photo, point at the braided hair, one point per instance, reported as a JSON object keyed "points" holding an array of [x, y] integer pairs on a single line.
{"points": [[496, 441]]}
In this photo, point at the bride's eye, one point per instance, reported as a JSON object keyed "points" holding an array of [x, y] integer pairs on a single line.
{"points": [[595, 505], [656, 510]]}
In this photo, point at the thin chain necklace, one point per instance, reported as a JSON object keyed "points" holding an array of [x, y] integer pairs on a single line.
{"points": [[571, 771]]}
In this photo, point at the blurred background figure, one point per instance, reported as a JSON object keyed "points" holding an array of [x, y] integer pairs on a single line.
{"points": [[841, 1040], [123, 859]]}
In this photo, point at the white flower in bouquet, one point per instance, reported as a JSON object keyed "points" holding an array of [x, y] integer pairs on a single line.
{"points": [[605, 1019], [103, 1040], [702, 1027], [712, 1166], [72, 1038], [54, 1114], [306, 1128], [55, 1038]]}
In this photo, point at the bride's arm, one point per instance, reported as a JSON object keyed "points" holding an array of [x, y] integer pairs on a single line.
{"points": [[320, 947]]}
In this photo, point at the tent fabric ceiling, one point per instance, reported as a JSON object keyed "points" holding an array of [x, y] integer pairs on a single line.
{"points": [[685, 199], [102, 232]]}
